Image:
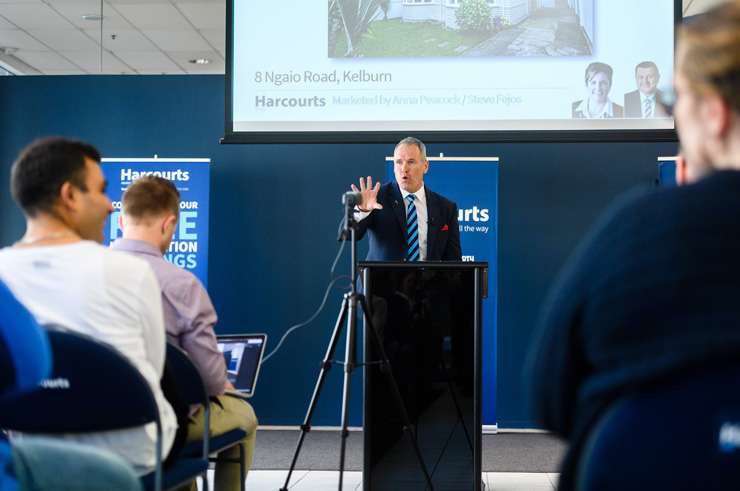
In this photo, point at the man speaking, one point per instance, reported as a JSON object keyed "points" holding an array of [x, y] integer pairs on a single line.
{"points": [[407, 221]]}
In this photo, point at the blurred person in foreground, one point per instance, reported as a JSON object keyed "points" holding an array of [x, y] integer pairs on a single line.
{"points": [[653, 290], [65, 277]]}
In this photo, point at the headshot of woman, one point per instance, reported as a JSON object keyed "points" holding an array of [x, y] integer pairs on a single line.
{"points": [[596, 104]]}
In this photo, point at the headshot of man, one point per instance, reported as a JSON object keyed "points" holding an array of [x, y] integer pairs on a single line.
{"points": [[596, 104], [60, 272], [650, 296], [405, 220], [148, 220], [646, 101]]}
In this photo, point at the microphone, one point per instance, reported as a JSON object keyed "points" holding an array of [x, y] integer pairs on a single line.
{"points": [[351, 198]]}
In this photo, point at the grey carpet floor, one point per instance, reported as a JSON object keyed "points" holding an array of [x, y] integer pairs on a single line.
{"points": [[503, 452]]}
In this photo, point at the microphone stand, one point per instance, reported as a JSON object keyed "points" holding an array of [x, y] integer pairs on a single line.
{"points": [[348, 316]]}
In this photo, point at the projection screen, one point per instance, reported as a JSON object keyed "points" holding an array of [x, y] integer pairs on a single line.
{"points": [[366, 70]]}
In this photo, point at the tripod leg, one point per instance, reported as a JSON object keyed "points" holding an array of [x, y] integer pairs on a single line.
{"points": [[396, 392], [325, 366], [349, 366]]}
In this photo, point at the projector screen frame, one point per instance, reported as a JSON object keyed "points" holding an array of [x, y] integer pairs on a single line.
{"points": [[445, 136]]}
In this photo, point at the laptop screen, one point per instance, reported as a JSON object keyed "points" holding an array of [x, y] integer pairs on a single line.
{"points": [[242, 354]]}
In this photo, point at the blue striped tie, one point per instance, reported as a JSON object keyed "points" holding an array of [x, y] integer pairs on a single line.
{"points": [[412, 231]]}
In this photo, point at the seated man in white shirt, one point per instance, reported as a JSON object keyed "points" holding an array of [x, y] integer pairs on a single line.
{"points": [[60, 272]]}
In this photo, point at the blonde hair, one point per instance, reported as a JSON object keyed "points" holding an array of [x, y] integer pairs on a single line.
{"points": [[709, 52]]}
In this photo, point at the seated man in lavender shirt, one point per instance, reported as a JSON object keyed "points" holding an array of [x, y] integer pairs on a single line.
{"points": [[148, 220]]}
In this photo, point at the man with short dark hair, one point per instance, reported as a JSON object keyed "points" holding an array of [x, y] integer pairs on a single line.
{"points": [[64, 277], [406, 220], [647, 100], [148, 221]]}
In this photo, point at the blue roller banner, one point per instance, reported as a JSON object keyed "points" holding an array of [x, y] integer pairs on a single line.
{"points": [[189, 247], [472, 183], [666, 172]]}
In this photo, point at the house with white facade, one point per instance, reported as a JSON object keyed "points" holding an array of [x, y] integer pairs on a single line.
{"points": [[511, 11]]}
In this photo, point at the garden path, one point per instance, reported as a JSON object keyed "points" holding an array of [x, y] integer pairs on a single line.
{"points": [[547, 32]]}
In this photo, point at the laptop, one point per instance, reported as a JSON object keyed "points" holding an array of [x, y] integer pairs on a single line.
{"points": [[243, 356]]}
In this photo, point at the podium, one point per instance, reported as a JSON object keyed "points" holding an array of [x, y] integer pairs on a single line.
{"points": [[428, 316]]}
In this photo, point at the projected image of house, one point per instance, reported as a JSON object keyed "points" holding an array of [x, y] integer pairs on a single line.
{"points": [[417, 28]]}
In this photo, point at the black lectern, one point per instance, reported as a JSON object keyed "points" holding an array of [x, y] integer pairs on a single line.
{"points": [[428, 317]]}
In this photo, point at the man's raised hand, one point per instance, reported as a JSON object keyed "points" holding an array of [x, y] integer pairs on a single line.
{"points": [[369, 194]]}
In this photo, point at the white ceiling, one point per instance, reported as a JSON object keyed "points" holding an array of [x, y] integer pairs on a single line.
{"points": [[50, 37], [139, 36]]}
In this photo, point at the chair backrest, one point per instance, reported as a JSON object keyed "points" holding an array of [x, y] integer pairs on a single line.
{"points": [[189, 382], [683, 434], [92, 387], [189, 386]]}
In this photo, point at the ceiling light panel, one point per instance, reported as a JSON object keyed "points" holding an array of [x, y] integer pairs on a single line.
{"points": [[74, 11], [183, 58]]}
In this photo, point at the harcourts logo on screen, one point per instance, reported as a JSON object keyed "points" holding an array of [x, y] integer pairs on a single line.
{"points": [[179, 175]]}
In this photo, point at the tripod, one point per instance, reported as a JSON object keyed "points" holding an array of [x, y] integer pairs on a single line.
{"points": [[348, 316]]}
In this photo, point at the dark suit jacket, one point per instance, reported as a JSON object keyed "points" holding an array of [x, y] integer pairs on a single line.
{"points": [[633, 106], [387, 227]]}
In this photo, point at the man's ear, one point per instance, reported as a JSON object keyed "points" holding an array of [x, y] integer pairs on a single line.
{"points": [[67, 195], [120, 222], [169, 221]]}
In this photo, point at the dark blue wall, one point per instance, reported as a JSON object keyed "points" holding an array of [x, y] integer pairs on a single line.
{"points": [[274, 214]]}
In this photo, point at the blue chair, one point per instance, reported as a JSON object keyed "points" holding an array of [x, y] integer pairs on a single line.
{"points": [[25, 355], [193, 391], [680, 434], [86, 393]]}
